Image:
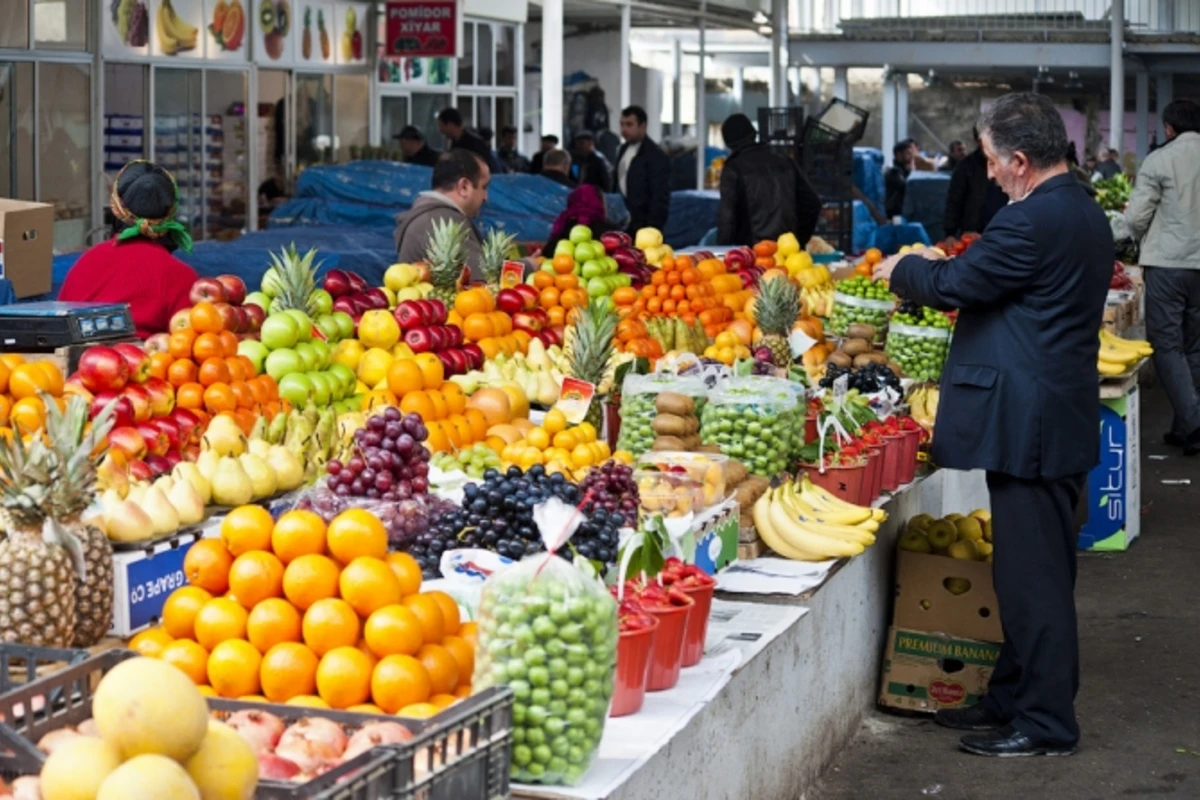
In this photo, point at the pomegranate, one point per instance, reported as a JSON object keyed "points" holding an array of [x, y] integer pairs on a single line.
{"points": [[374, 734], [273, 768], [27, 788], [260, 729], [55, 739], [311, 743]]}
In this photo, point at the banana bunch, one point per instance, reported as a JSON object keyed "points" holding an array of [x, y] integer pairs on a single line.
{"points": [[310, 434], [923, 404], [810, 524], [817, 300], [174, 35], [1118, 356]]}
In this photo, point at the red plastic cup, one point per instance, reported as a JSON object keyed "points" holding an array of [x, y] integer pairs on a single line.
{"points": [[912, 443], [873, 480], [810, 430], [697, 626], [843, 482], [667, 658], [893, 455], [634, 649]]}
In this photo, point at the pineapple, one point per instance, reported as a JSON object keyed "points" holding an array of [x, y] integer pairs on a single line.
{"points": [[291, 281], [496, 247], [777, 308], [589, 350], [73, 445], [445, 253]]}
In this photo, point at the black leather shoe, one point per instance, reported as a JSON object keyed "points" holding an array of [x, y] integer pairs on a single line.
{"points": [[1011, 743], [970, 718]]}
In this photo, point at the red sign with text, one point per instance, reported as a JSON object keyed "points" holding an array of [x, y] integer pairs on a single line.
{"points": [[422, 28]]}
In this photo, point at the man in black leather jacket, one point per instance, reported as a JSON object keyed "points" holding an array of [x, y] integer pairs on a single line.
{"points": [[973, 198], [763, 193]]}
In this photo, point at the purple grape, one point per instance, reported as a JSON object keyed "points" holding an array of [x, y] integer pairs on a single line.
{"points": [[389, 497], [424, 454], [393, 430], [420, 470], [383, 481], [388, 444], [345, 477], [405, 444], [411, 423], [392, 414], [372, 493], [421, 433], [375, 462], [333, 466], [376, 423], [355, 464], [419, 485], [367, 476], [342, 489], [357, 487], [403, 472], [403, 489], [372, 439]]}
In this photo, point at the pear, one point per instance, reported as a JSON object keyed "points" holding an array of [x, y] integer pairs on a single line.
{"points": [[259, 447], [189, 473], [109, 500], [537, 355], [206, 463], [224, 437], [187, 503], [289, 472], [160, 511], [110, 476], [128, 523], [164, 484], [230, 484], [262, 478], [547, 389], [137, 491]]}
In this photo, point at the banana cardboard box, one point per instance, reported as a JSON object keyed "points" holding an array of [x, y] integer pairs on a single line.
{"points": [[928, 671], [944, 595]]}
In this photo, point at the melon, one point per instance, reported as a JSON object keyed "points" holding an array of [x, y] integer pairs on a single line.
{"points": [[148, 777], [226, 767], [77, 768], [494, 403], [145, 706]]}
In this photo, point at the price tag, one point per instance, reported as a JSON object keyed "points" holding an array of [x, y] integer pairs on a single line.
{"points": [[574, 398], [512, 274], [800, 342]]}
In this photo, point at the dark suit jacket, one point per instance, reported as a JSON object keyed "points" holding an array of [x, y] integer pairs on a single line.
{"points": [[648, 184], [1019, 390], [764, 194], [594, 169], [426, 157], [973, 198], [470, 141]]}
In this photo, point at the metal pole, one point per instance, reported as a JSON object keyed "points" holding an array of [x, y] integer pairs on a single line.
{"points": [[676, 87], [779, 55], [626, 90], [701, 109], [1164, 93], [841, 83], [1142, 103], [901, 81], [253, 168], [552, 67], [889, 119], [1116, 109], [739, 87]]}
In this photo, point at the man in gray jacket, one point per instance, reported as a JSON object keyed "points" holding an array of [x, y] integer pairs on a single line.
{"points": [[460, 184], [1164, 213]]}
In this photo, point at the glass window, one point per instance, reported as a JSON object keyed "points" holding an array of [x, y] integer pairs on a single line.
{"points": [[60, 24], [466, 107], [124, 118], [178, 132], [314, 119], [65, 149], [352, 93], [16, 130], [504, 113], [466, 64], [484, 106], [506, 60], [425, 108], [484, 31], [393, 116], [226, 163], [14, 25]]}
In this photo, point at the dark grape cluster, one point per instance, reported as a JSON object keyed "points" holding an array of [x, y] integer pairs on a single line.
{"points": [[404, 519], [389, 462], [497, 515], [610, 487], [868, 378]]}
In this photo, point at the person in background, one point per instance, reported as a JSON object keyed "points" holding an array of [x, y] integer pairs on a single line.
{"points": [[1019, 401], [919, 161], [557, 167], [643, 174], [450, 123], [957, 152], [1108, 166], [594, 168], [973, 198], [1089, 164], [458, 191], [509, 158], [1164, 208], [549, 142], [895, 180], [136, 265], [272, 192], [416, 151], [763, 192], [1081, 175], [585, 206]]}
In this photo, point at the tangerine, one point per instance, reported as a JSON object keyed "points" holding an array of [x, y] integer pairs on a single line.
{"points": [[205, 318], [180, 610], [469, 633], [233, 667], [308, 700], [254, 577], [355, 533], [404, 376], [563, 264], [272, 622], [407, 571], [248, 528], [27, 380], [399, 681], [150, 642], [419, 711], [328, 624], [28, 414], [179, 343], [443, 701], [189, 658], [310, 578], [368, 584], [429, 613], [433, 372], [344, 677], [463, 691], [207, 346], [393, 630], [214, 370], [220, 620], [450, 613], [288, 670], [207, 564], [464, 655], [182, 371], [441, 666], [298, 533], [190, 396], [229, 343], [242, 395]]}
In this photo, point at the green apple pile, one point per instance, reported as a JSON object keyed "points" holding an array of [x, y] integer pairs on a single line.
{"points": [[598, 272], [300, 362]]}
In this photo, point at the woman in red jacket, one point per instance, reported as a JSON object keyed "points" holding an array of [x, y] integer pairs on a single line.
{"points": [[135, 266]]}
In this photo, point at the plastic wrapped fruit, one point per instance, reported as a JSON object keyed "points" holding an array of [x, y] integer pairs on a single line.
{"points": [[638, 405], [861, 300], [752, 427], [919, 341], [779, 387]]}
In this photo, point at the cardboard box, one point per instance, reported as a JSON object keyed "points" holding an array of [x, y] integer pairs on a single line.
{"points": [[946, 596], [926, 671], [26, 246], [1114, 486], [143, 579]]}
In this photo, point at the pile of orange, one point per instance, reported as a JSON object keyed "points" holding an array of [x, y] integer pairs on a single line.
{"points": [[684, 289], [202, 363], [475, 313], [559, 292], [299, 612], [22, 410]]}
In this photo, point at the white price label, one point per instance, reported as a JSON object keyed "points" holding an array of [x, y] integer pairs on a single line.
{"points": [[800, 343]]}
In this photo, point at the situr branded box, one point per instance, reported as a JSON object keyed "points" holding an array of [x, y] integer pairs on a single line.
{"points": [[1114, 486], [928, 671], [143, 579], [946, 596]]}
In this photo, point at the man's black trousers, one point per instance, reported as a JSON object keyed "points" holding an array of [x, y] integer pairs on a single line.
{"points": [[1033, 566]]}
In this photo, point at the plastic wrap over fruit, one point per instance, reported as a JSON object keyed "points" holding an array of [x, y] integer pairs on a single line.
{"points": [[404, 519]]}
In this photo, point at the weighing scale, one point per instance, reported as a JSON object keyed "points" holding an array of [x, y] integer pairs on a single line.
{"points": [[47, 326]]}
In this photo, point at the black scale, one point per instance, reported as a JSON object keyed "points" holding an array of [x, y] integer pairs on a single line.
{"points": [[43, 327]]}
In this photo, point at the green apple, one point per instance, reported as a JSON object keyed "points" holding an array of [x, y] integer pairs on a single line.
{"points": [[596, 287], [321, 301], [279, 331], [303, 324], [565, 247], [399, 276], [259, 299], [257, 352], [295, 387], [322, 351], [611, 263], [345, 376], [580, 233], [345, 324], [598, 251], [328, 325], [283, 362], [592, 269], [321, 388], [308, 355], [583, 252]]}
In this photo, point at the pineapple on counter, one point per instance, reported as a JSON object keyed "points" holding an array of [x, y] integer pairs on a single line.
{"points": [[445, 253], [589, 352], [777, 308], [497, 246], [291, 280]]}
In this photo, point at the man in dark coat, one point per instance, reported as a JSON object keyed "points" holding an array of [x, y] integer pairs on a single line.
{"points": [[549, 142], [416, 151], [450, 123], [507, 152], [763, 193], [1019, 401], [556, 166], [594, 168], [895, 180], [643, 173], [973, 198]]}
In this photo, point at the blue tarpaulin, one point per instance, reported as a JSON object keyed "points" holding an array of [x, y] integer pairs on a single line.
{"points": [[868, 174]]}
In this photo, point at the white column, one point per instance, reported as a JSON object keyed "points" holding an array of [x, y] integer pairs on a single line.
{"points": [[1116, 108], [901, 82], [1142, 113], [841, 83], [779, 53], [889, 120], [1164, 93], [625, 91], [676, 87], [739, 87], [701, 109], [552, 67]]}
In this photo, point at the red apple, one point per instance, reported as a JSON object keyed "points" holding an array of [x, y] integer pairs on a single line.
{"points": [[162, 396], [139, 470], [376, 298], [529, 294], [167, 427], [122, 411], [454, 336], [337, 283], [527, 321], [156, 440], [191, 452], [474, 354], [345, 304], [157, 343], [207, 289], [460, 361], [541, 316], [254, 316], [136, 358], [408, 315], [128, 441], [180, 320], [447, 362], [510, 301], [174, 457], [437, 335], [418, 340], [140, 399], [190, 428], [228, 317], [74, 385], [102, 368], [158, 464], [439, 312], [428, 311], [235, 289], [357, 283]]}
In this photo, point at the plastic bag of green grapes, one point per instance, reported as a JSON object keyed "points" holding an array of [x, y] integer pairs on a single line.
{"points": [[548, 631]]}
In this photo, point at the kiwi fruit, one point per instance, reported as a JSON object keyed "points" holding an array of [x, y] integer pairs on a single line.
{"points": [[283, 16], [861, 330], [840, 359], [896, 369], [862, 359], [854, 347], [266, 16]]}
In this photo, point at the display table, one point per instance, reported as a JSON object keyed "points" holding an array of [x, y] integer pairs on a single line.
{"points": [[789, 708]]}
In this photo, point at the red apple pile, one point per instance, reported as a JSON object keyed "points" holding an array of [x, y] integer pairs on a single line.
{"points": [[630, 260], [739, 260], [352, 294], [424, 329], [521, 303], [228, 294]]}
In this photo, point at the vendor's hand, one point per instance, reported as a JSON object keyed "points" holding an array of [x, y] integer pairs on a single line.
{"points": [[931, 253], [883, 270]]}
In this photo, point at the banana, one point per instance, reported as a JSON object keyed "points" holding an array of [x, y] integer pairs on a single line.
{"points": [[1110, 368], [814, 524], [860, 517], [772, 539], [819, 497], [166, 42], [1142, 348], [802, 537], [184, 33]]}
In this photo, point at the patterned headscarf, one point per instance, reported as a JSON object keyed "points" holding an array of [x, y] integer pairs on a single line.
{"points": [[165, 226]]}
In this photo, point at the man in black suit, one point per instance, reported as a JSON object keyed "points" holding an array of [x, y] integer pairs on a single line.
{"points": [[412, 144], [973, 198], [450, 123], [556, 166], [549, 142], [1019, 400], [593, 167], [643, 174]]}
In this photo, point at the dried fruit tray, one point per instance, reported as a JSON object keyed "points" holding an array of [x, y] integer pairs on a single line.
{"points": [[461, 754]]}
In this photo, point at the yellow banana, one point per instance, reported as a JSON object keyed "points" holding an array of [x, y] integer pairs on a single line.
{"points": [[1110, 368], [820, 497], [806, 539], [1142, 348], [856, 516], [166, 42], [771, 538]]}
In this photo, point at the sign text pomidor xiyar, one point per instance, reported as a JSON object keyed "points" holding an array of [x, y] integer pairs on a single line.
{"points": [[422, 28]]}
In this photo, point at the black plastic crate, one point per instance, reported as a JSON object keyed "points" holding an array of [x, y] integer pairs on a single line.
{"points": [[838, 121], [829, 167], [780, 124], [20, 663], [836, 224]]}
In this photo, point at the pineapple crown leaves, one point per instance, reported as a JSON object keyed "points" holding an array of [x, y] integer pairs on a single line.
{"points": [[497, 246], [295, 276], [77, 451], [445, 251], [777, 306], [590, 351]]}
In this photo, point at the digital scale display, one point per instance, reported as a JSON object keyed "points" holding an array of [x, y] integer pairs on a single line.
{"points": [[34, 327]]}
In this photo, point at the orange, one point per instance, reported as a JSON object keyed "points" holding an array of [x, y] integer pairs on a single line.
{"points": [[26, 381], [393, 630], [214, 370], [449, 606], [5, 405], [462, 428], [233, 668], [160, 363], [259, 390], [207, 565], [563, 264], [28, 414], [205, 318], [288, 670], [150, 642], [463, 691], [440, 409], [329, 624], [469, 302], [441, 666], [180, 610], [418, 711], [438, 441], [179, 343], [242, 394], [464, 655], [254, 577], [229, 343], [548, 297], [542, 280], [368, 584], [190, 396], [5, 372], [189, 658], [443, 701], [207, 346], [407, 571], [355, 533], [207, 690], [366, 708], [219, 397], [247, 528], [418, 403], [298, 533], [478, 326], [11, 360], [571, 298], [310, 578], [344, 677], [53, 376], [271, 622], [469, 633], [182, 371], [478, 423], [220, 620], [429, 612], [433, 372], [403, 376], [399, 681], [567, 281], [456, 402]]}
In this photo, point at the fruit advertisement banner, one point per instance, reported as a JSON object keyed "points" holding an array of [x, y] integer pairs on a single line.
{"points": [[316, 42], [274, 28], [227, 25], [422, 28], [177, 27], [350, 25], [126, 28]]}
